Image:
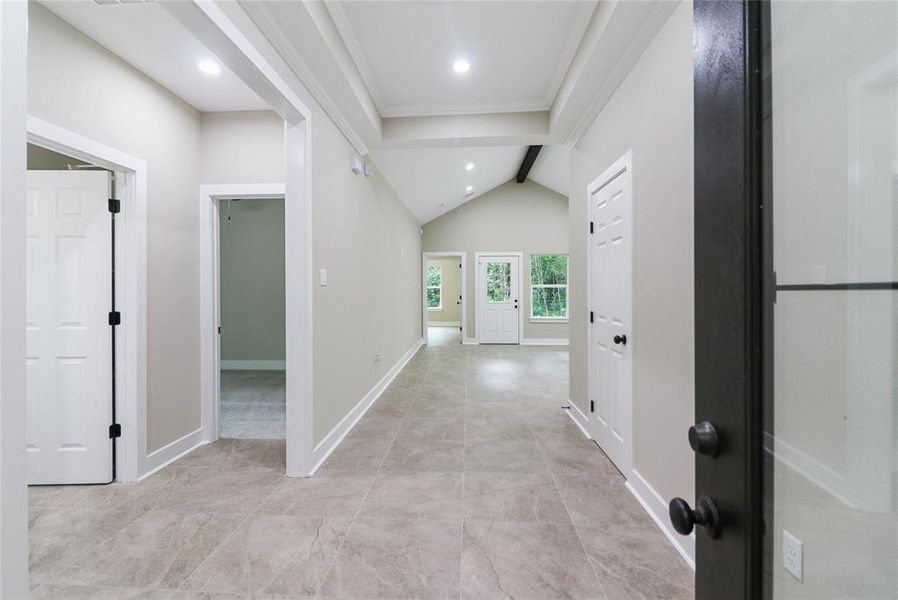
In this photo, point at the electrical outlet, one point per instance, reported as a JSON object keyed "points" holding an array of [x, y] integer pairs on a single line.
{"points": [[792, 559], [376, 357]]}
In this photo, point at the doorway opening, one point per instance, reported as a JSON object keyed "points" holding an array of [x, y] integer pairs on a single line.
{"points": [[252, 344], [444, 298], [498, 294]]}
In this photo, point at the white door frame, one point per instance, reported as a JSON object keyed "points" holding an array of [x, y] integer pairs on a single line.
{"points": [[477, 312], [622, 165], [131, 285], [462, 317], [13, 492], [210, 289]]}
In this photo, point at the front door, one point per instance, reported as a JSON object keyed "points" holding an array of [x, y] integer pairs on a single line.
{"points": [[610, 334], [68, 348], [796, 258], [498, 307]]}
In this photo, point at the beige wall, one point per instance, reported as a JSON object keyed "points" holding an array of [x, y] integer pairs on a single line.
{"points": [[650, 114], [241, 147], [252, 303], [449, 313], [78, 85], [370, 245], [514, 217]]}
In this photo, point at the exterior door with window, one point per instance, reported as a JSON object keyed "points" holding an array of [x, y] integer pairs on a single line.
{"points": [[68, 339], [498, 306], [796, 246]]}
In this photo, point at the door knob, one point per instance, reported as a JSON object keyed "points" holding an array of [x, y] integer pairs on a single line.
{"points": [[684, 519], [620, 339], [703, 438]]}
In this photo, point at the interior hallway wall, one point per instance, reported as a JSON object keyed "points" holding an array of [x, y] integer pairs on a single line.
{"points": [[76, 84], [241, 147], [451, 274], [252, 300], [371, 247], [514, 217], [650, 114]]}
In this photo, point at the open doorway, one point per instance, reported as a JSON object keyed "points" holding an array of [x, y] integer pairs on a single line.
{"points": [[252, 401], [444, 293]]}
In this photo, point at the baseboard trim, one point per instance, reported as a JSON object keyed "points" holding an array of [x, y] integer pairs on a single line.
{"points": [[655, 505], [330, 442], [544, 342], [579, 419], [827, 479], [470, 342], [166, 455], [254, 365], [443, 324]]}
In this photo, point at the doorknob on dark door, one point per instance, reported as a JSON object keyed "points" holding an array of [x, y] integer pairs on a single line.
{"points": [[684, 519], [620, 339], [703, 439]]}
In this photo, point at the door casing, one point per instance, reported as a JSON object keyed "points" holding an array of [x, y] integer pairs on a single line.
{"points": [[462, 316]]}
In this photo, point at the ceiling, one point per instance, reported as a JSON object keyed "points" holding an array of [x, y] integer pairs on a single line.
{"points": [[151, 40], [432, 181], [518, 52]]}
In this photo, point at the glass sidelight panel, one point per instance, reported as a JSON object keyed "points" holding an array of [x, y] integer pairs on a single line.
{"points": [[830, 120]]}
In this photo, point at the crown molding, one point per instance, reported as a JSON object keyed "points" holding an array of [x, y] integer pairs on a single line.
{"points": [[271, 28]]}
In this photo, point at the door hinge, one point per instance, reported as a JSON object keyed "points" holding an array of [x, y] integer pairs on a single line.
{"points": [[115, 431], [591, 227], [115, 318], [592, 406], [591, 317], [219, 330], [115, 206]]}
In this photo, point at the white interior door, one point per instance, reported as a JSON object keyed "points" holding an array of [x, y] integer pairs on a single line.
{"points": [[68, 351], [610, 332], [498, 284]]}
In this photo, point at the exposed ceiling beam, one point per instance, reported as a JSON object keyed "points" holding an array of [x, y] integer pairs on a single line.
{"points": [[527, 163]]}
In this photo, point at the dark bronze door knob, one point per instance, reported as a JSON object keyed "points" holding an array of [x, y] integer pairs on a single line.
{"points": [[684, 518]]}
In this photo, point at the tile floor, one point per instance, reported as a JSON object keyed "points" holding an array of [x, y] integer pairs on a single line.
{"points": [[465, 480], [253, 405]]}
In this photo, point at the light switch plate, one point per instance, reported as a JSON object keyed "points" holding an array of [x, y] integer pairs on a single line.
{"points": [[322, 276], [792, 555]]}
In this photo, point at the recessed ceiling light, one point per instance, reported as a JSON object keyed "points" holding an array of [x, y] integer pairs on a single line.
{"points": [[469, 189], [461, 65], [209, 67], [469, 166]]}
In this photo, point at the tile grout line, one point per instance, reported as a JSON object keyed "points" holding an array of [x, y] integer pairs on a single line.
{"points": [[377, 472]]}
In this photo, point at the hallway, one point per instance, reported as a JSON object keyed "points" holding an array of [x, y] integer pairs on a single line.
{"points": [[465, 479]]}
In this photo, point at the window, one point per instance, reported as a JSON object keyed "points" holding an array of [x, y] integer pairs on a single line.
{"points": [[498, 282], [434, 288], [548, 286]]}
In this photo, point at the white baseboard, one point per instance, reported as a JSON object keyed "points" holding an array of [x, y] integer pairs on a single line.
{"points": [[169, 453], [579, 419], [443, 324], [254, 365], [330, 442], [657, 508], [827, 479], [470, 342], [544, 342]]}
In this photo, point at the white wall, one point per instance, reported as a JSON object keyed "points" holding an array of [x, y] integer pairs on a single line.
{"points": [[78, 85], [514, 217], [650, 114]]}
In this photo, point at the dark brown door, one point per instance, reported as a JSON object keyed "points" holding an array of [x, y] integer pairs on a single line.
{"points": [[796, 300]]}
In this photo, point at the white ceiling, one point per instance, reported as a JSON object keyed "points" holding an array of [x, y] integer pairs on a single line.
{"points": [[148, 38], [432, 181], [519, 52], [551, 168]]}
